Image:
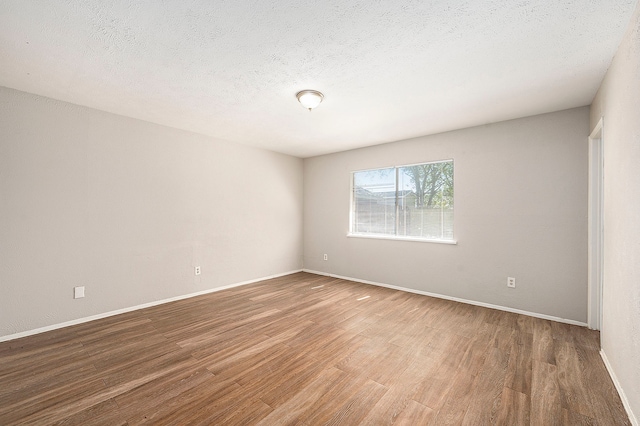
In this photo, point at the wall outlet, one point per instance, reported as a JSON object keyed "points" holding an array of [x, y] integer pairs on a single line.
{"points": [[511, 282], [197, 270], [326, 257], [78, 292]]}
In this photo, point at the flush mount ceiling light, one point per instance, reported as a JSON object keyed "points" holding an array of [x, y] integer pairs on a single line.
{"points": [[309, 98]]}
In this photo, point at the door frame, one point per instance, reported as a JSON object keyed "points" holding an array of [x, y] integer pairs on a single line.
{"points": [[596, 227]]}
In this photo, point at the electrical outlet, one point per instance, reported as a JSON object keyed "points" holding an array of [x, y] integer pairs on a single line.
{"points": [[511, 282], [78, 292], [197, 270], [326, 257]]}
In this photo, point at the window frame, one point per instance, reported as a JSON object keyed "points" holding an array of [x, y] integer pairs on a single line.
{"points": [[395, 237]]}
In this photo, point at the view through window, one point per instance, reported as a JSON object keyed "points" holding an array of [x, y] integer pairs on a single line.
{"points": [[414, 201]]}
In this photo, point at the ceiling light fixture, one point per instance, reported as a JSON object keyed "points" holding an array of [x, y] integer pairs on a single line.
{"points": [[309, 98]]}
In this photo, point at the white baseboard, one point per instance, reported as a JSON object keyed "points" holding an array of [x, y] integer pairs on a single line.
{"points": [[135, 308], [455, 299], [623, 396]]}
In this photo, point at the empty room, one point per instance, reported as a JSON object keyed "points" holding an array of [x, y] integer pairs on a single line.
{"points": [[339, 212]]}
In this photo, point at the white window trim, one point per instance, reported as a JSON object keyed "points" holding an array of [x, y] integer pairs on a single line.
{"points": [[352, 234], [400, 238]]}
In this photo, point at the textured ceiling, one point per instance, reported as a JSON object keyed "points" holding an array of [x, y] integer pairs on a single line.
{"points": [[389, 69]]}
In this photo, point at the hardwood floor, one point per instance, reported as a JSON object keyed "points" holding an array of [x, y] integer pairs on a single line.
{"points": [[306, 349]]}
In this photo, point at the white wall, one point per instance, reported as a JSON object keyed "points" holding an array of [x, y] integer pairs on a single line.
{"points": [[520, 211], [618, 101], [127, 208]]}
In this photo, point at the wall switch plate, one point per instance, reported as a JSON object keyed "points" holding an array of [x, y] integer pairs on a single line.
{"points": [[326, 257], [78, 292], [511, 282], [197, 270]]}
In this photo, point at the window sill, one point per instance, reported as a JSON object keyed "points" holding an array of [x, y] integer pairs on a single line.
{"points": [[415, 239]]}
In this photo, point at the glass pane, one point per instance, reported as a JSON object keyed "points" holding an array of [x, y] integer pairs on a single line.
{"points": [[374, 202], [425, 200]]}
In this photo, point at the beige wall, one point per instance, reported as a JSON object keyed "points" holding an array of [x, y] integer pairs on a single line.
{"points": [[520, 211], [618, 101], [127, 208]]}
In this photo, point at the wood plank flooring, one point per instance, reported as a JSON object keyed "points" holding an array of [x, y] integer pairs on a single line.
{"points": [[307, 349]]}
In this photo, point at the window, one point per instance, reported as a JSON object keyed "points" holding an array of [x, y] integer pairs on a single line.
{"points": [[412, 202]]}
